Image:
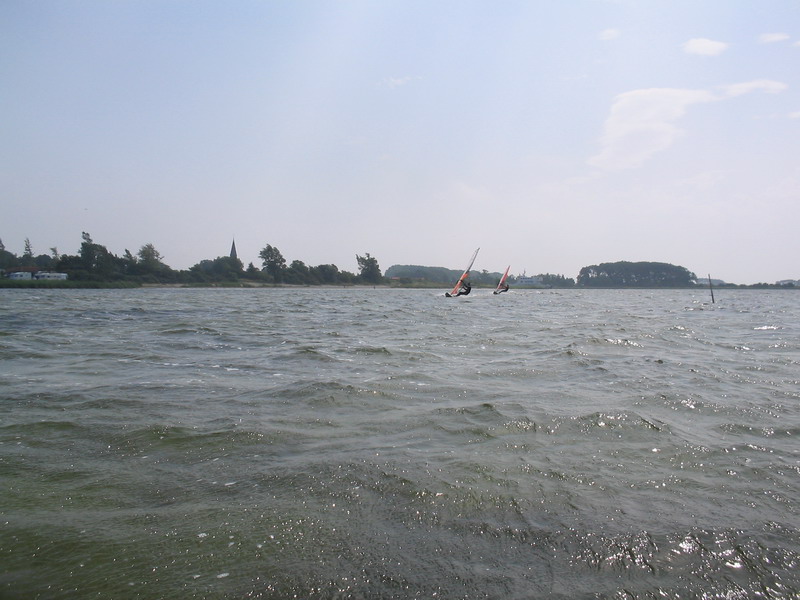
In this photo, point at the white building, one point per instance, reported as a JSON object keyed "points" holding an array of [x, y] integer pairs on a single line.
{"points": [[27, 275], [528, 280]]}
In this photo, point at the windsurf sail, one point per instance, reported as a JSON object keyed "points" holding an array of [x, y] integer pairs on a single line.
{"points": [[455, 289], [503, 286]]}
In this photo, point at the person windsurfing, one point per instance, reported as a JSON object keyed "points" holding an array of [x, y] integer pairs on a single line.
{"points": [[465, 289], [502, 288]]}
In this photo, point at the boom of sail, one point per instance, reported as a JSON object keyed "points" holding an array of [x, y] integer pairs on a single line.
{"points": [[459, 287]]}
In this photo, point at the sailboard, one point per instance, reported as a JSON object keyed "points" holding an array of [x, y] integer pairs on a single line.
{"points": [[455, 289], [502, 286]]}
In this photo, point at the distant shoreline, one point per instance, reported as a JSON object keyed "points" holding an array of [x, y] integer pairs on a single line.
{"points": [[83, 285]]}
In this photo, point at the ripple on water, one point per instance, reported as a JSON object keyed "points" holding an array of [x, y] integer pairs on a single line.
{"points": [[392, 443]]}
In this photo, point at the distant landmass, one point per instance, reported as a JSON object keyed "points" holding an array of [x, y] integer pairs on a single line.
{"points": [[620, 274], [95, 266], [437, 274], [636, 274], [415, 274]]}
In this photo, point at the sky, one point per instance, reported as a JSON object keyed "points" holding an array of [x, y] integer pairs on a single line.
{"points": [[551, 134]]}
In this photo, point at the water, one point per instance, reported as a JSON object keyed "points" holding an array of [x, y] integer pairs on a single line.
{"points": [[340, 443]]}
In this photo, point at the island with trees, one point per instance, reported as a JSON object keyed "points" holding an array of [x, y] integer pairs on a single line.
{"points": [[636, 274]]}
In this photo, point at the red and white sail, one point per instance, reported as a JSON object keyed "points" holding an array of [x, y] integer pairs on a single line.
{"points": [[502, 279], [454, 291]]}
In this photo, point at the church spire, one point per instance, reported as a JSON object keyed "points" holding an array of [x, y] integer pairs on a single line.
{"points": [[233, 249]]}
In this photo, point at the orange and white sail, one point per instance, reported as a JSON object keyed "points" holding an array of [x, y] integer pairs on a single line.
{"points": [[501, 285], [455, 289]]}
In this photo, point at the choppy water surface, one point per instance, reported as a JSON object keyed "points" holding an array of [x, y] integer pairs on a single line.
{"points": [[344, 443]]}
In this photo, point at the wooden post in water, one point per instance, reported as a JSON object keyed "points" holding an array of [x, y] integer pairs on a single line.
{"points": [[711, 288]]}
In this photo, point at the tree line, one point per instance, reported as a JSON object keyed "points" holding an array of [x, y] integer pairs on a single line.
{"points": [[415, 274], [636, 274], [624, 274], [95, 263]]}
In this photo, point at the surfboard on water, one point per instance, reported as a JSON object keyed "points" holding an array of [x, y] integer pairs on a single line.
{"points": [[502, 286], [463, 277]]}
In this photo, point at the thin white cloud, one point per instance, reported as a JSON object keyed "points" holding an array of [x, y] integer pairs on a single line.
{"points": [[642, 122], [393, 82], [771, 38], [704, 47], [608, 34], [795, 115], [764, 85]]}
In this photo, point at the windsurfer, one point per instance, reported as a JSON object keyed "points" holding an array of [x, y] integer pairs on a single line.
{"points": [[502, 286], [501, 289], [465, 289]]}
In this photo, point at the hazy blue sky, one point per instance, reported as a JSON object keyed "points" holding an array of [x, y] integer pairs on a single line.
{"points": [[553, 134]]}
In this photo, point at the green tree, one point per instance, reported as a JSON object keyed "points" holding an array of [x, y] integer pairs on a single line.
{"points": [[27, 259], [45, 262], [223, 268], [95, 262], [298, 273], [8, 260], [108, 267], [273, 262], [326, 273], [148, 264], [369, 271], [88, 252], [638, 274], [150, 257]]}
